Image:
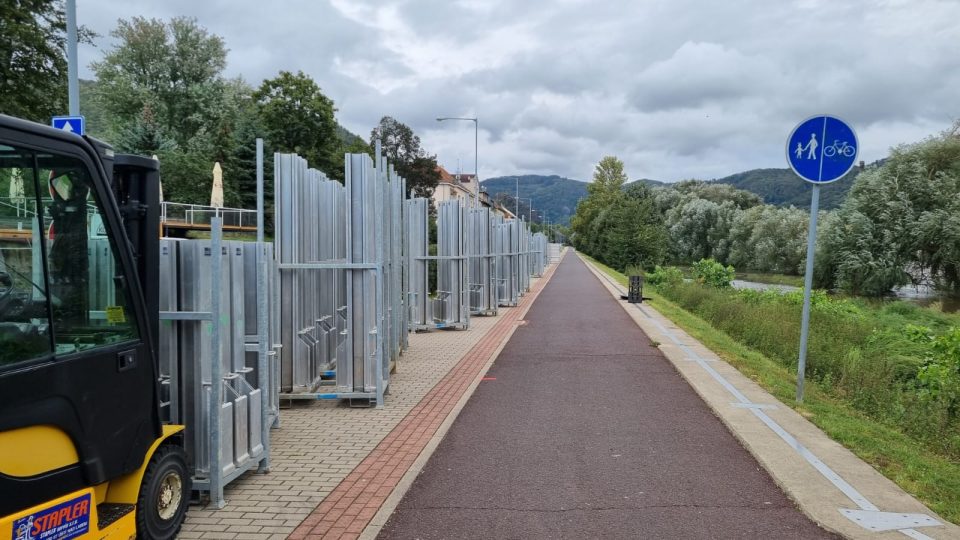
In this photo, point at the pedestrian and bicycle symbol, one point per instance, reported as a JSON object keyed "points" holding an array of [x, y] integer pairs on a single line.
{"points": [[812, 158]]}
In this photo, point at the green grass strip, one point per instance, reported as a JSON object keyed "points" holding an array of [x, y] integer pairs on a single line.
{"points": [[930, 477]]}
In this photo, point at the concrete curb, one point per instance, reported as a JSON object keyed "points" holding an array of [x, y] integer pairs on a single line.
{"points": [[791, 468]]}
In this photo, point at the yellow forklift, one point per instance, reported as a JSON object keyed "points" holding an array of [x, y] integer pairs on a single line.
{"points": [[83, 451]]}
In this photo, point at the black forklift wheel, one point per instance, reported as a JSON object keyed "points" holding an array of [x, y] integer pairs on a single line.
{"points": [[164, 495]]}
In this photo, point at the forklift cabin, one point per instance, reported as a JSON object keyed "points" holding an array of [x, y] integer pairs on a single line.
{"points": [[82, 447]]}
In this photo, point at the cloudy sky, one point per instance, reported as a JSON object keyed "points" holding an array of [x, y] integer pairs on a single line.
{"points": [[675, 88]]}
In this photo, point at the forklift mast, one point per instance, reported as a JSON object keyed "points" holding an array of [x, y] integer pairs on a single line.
{"points": [[136, 188]]}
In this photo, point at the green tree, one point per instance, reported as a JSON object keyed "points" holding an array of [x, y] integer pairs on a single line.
{"points": [[145, 135], [240, 163], [608, 179], [629, 231], [161, 90], [402, 147], [769, 239], [297, 117], [700, 218], [33, 64], [900, 223], [174, 68]]}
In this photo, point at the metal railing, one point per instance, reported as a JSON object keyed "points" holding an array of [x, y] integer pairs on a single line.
{"points": [[200, 215]]}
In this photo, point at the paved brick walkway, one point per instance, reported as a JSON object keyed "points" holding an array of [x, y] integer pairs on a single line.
{"points": [[322, 449]]}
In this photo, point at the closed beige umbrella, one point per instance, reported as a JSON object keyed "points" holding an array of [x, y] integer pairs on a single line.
{"points": [[17, 196], [216, 195], [159, 182]]}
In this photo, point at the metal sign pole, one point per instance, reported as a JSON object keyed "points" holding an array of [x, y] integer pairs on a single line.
{"points": [[809, 155], [73, 80], [807, 287]]}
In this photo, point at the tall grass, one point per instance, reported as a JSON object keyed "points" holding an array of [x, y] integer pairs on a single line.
{"points": [[867, 356]]}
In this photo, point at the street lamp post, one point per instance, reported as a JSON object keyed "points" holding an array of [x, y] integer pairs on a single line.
{"points": [[530, 206], [476, 147], [517, 198]]}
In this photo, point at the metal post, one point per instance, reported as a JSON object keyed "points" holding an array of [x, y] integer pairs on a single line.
{"points": [[379, 209], [216, 367], [73, 81], [476, 159], [807, 286], [262, 321]]}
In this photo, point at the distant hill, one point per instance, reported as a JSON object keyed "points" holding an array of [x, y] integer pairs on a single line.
{"points": [[558, 196], [555, 195], [781, 187], [347, 137]]}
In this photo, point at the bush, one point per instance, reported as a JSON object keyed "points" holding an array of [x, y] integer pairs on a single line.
{"points": [[668, 277], [710, 272], [938, 381]]}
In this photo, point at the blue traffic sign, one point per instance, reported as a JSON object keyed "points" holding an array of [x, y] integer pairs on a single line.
{"points": [[822, 149], [72, 124]]}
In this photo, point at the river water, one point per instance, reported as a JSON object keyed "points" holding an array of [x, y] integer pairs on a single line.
{"points": [[923, 295]]}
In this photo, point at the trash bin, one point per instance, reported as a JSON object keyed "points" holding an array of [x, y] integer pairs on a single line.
{"points": [[635, 291]]}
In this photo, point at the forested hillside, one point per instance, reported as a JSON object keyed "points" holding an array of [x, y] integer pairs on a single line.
{"points": [[781, 187], [555, 195]]}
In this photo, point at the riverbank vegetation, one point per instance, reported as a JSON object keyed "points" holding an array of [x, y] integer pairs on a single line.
{"points": [[900, 225]]}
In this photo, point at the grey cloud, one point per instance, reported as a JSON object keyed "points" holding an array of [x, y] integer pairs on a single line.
{"points": [[675, 88]]}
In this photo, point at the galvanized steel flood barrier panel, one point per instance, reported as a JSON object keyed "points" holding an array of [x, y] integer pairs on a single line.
{"points": [[451, 306], [213, 378], [523, 251], [310, 228], [538, 254], [507, 249], [390, 243], [553, 252], [482, 262], [417, 232], [343, 309]]}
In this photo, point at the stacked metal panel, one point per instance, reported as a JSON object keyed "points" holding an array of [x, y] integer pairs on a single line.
{"points": [[523, 234], [363, 375], [553, 252], [507, 248], [310, 229], [417, 232], [392, 188], [451, 306], [482, 262], [210, 381], [341, 261], [538, 254]]}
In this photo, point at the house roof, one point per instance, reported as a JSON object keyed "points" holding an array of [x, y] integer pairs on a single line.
{"points": [[447, 178]]}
